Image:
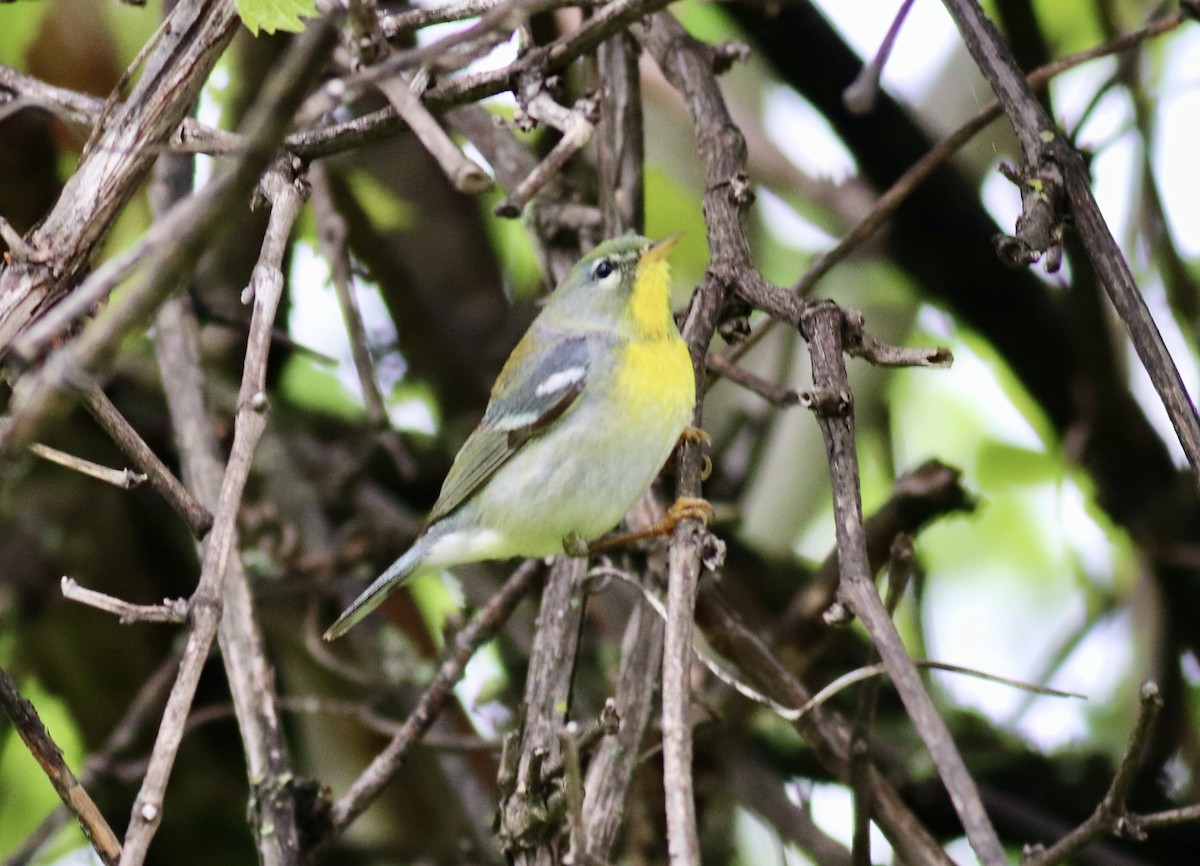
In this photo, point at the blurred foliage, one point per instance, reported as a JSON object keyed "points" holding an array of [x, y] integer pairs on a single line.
{"points": [[272, 15]]}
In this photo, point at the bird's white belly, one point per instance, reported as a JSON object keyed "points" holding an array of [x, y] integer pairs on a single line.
{"points": [[581, 494]]}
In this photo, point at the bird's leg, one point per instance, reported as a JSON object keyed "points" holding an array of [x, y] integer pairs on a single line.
{"points": [[685, 508]]}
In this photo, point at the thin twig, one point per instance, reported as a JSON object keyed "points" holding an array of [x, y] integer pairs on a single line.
{"points": [[860, 96], [490, 618], [28, 725], [99, 764], [171, 610], [164, 482], [464, 173], [888, 203], [109, 172], [1054, 176], [126, 479], [1110, 814], [526, 820], [576, 126], [827, 735], [36, 396], [776, 395], [268, 118]]}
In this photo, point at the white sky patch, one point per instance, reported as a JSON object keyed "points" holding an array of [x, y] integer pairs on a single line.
{"points": [[804, 135], [1001, 199], [759, 843], [972, 381], [788, 226], [1176, 132], [925, 43], [1109, 131], [481, 673], [1099, 665], [315, 320], [833, 812], [1085, 537], [208, 111], [998, 622], [500, 56]]}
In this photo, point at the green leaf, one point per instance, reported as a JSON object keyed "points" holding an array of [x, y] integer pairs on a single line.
{"points": [[313, 386], [272, 15]]}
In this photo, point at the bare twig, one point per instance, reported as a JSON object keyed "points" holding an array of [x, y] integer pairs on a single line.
{"points": [[332, 238], [1054, 175], [1110, 814], [464, 173], [126, 479], [827, 735], [164, 482], [273, 810], [529, 821], [611, 769], [171, 610], [576, 126], [99, 764], [822, 326], [109, 172], [37, 396], [268, 118], [366, 788], [688, 66], [30, 728], [776, 395], [860, 96], [620, 148], [887, 204]]}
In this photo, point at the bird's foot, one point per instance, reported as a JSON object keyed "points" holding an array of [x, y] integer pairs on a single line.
{"points": [[695, 434], [685, 508]]}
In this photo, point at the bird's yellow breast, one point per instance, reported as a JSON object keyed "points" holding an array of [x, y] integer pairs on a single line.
{"points": [[655, 378]]}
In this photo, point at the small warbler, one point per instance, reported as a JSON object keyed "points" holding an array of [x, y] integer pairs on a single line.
{"points": [[583, 416]]}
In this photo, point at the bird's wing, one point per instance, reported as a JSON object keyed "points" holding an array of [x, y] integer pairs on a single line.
{"points": [[537, 385]]}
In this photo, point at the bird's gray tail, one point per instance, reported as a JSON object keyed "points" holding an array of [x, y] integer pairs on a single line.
{"points": [[397, 575]]}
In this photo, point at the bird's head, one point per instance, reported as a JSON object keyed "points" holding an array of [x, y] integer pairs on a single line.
{"points": [[623, 283]]}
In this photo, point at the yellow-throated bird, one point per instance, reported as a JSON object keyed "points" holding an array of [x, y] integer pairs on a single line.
{"points": [[581, 419]]}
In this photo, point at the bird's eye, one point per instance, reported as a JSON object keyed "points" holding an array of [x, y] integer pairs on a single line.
{"points": [[604, 268]]}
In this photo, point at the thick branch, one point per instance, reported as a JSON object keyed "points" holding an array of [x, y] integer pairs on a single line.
{"points": [[117, 158]]}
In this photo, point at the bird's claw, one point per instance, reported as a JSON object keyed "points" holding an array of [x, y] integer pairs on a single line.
{"points": [[687, 508], [695, 434]]}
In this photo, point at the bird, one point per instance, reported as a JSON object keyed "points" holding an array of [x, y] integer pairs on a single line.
{"points": [[580, 421]]}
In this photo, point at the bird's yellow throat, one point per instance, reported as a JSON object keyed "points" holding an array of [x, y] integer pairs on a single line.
{"points": [[649, 307]]}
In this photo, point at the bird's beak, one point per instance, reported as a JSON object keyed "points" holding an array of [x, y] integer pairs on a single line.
{"points": [[659, 251]]}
